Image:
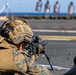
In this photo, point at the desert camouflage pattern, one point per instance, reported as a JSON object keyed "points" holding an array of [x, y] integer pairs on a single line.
{"points": [[20, 31], [6, 57], [12, 60], [28, 65], [19, 61]]}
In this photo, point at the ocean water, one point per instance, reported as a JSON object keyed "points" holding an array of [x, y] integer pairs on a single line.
{"points": [[35, 14]]}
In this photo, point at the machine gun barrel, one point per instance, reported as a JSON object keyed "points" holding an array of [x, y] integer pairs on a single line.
{"points": [[43, 43]]}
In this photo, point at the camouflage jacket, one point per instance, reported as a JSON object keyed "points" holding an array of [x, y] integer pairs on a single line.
{"points": [[11, 59], [28, 65]]}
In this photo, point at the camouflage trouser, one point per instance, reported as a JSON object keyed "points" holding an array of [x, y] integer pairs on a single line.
{"points": [[28, 66]]}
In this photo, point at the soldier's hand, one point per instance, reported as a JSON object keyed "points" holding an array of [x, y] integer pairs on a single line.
{"points": [[40, 48]]}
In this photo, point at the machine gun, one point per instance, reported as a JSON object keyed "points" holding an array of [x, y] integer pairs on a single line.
{"points": [[33, 47]]}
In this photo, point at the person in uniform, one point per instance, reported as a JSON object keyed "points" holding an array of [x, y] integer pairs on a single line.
{"points": [[15, 36]]}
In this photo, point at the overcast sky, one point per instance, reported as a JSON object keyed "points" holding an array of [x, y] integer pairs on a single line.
{"points": [[29, 5]]}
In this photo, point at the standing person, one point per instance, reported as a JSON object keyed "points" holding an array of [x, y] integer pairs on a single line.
{"points": [[47, 7], [56, 8], [16, 35], [71, 9], [39, 5]]}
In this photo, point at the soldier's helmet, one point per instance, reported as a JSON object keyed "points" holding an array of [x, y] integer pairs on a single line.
{"points": [[17, 31]]}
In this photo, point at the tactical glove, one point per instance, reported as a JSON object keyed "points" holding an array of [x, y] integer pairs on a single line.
{"points": [[40, 48]]}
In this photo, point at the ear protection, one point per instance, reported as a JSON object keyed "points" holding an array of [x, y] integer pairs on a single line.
{"points": [[5, 31], [16, 31]]}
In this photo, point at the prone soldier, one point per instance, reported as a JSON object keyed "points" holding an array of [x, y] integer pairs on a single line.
{"points": [[15, 36]]}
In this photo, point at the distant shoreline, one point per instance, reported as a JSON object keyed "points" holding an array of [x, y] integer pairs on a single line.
{"points": [[38, 15], [35, 14]]}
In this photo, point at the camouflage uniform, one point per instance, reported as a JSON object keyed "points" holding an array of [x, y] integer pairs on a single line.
{"points": [[28, 65], [21, 31], [6, 57]]}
